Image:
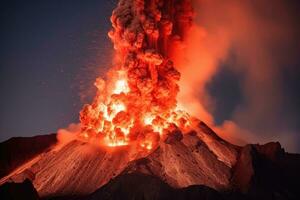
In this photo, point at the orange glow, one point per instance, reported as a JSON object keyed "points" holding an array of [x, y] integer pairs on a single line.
{"points": [[147, 145], [138, 102], [121, 86], [148, 119]]}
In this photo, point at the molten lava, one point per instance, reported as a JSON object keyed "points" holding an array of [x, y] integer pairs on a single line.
{"points": [[138, 101]]}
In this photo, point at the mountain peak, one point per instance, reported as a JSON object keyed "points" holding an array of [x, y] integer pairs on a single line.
{"points": [[199, 157]]}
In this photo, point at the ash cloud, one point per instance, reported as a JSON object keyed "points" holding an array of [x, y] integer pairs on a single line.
{"points": [[143, 80], [259, 42]]}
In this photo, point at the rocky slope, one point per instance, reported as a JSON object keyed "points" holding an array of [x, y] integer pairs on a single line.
{"points": [[184, 161], [261, 172], [16, 151], [149, 187], [189, 166], [76, 168]]}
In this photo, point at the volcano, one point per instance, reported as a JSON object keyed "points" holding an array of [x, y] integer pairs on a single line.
{"points": [[195, 165], [136, 140]]}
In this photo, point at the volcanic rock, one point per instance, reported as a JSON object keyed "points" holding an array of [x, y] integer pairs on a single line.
{"points": [[260, 172], [193, 165], [184, 163], [18, 191], [173, 136], [149, 187], [76, 168], [16, 151]]}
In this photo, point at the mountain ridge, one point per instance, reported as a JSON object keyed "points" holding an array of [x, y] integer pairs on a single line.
{"points": [[182, 161]]}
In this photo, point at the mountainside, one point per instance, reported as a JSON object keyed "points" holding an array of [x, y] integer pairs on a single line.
{"points": [[185, 166], [76, 168], [149, 187], [181, 161], [16, 151]]}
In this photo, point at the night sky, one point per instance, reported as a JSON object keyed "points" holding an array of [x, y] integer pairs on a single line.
{"points": [[52, 51]]}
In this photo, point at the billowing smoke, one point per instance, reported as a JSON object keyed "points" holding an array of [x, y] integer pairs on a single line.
{"points": [[142, 33], [167, 52], [255, 39], [68, 134], [138, 100]]}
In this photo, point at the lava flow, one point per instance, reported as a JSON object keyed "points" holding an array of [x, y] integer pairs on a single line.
{"points": [[137, 102]]}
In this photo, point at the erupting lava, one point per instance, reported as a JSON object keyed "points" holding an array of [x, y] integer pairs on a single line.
{"points": [[138, 101]]}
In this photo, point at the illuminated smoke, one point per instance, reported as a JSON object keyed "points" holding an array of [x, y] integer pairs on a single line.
{"points": [[154, 40], [138, 101], [255, 39]]}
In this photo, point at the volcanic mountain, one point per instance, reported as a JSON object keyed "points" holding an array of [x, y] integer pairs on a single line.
{"points": [[195, 165], [136, 140]]}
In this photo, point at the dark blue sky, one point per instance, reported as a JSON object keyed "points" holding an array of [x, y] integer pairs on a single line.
{"points": [[52, 50]]}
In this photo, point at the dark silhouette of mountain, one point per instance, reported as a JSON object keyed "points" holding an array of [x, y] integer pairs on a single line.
{"points": [[149, 187], [16, 151], [18, 191]]}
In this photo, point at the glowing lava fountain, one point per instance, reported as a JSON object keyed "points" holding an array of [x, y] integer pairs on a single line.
{"points": [[138, 101]]}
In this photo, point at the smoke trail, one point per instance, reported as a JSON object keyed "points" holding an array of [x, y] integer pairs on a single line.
{"points": [[257, 34]]}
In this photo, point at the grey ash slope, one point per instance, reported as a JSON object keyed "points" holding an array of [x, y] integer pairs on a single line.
{"points": [[262, 172], [197, 165], [75, 169], [184, 161], [78, 168]]}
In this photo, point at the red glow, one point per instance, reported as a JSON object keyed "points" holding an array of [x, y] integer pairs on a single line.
{"points": [[138, 102]]}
